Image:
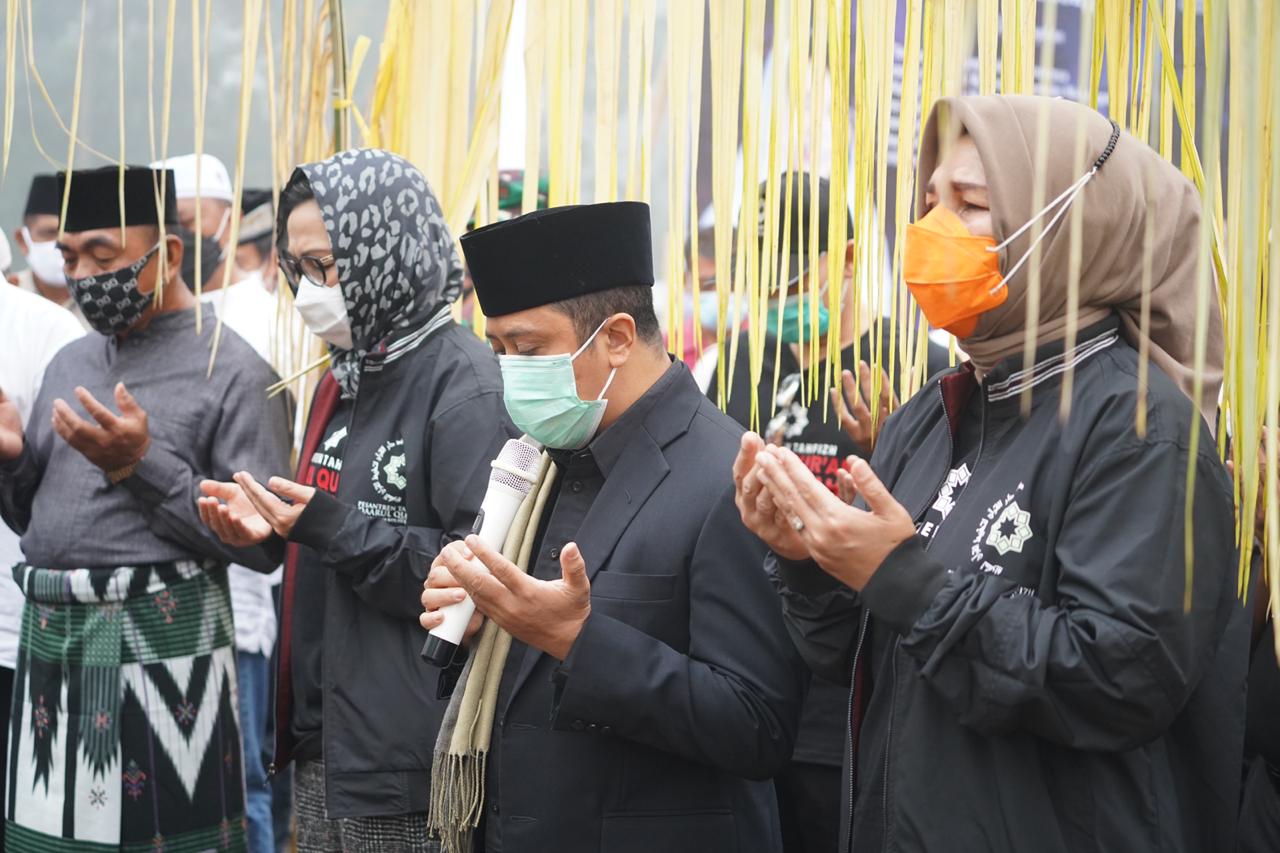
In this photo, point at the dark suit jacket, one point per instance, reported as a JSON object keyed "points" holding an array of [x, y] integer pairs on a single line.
{"points": [[683, 686]]}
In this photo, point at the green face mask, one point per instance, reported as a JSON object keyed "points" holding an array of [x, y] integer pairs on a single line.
{"points": [[541, 396], [794, 317]]}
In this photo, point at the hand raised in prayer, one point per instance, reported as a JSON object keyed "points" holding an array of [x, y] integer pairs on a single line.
{"points": [[856, 418], [848, 543], [117, 441], [10, 430], [441, 589], [547, 615], [227, 511], [755, 504], [280, 515]]}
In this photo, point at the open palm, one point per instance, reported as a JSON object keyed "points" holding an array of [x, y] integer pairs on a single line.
{"points": [[10, 430], [229, 513]]}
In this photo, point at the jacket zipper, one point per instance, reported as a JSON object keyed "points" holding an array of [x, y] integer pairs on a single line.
{"points": [[272, 769], [325, 726], [893, 654], [853, 735]]}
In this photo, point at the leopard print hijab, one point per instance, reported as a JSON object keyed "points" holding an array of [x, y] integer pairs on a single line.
{"points": [[396, 262]]}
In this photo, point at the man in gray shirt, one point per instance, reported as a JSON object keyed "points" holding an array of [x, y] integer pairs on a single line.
{"points": [[123, 708]]}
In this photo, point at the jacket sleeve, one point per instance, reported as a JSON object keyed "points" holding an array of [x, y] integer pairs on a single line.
{"points": [[732, 701], [388, 563], [252, 434], [20, 478], [1112, 660], [821, 614]]}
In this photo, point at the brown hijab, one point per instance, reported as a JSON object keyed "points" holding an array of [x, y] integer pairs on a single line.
{"points": [[1133, 184]]}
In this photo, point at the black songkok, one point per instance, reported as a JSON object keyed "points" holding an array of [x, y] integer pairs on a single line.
{"points": [[806, 212], [95, 198], [43, 197], [556, 254]]}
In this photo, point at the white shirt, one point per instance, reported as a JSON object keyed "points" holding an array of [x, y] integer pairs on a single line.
{"points": [[250, 311], [27, 282], [32, 330], [704, 369]]}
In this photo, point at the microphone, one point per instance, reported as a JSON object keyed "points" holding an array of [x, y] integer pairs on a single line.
{"points": [[511, 480]]}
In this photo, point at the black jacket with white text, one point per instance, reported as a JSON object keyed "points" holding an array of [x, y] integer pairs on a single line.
{"points": [[1032, 680]]}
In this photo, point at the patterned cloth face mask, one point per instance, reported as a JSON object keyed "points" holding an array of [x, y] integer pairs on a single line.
{"points": [[111, 301]]}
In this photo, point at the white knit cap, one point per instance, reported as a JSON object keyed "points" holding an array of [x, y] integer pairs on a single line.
{"points": [[215, 181]]}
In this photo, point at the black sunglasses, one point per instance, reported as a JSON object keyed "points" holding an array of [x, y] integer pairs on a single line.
{"points": [[314, 268]]}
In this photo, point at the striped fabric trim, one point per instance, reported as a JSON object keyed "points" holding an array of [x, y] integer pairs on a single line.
{"points": [[189, 617], [1030, 377], [20, 839], [229, 838], [104, 585], [408, 344]]}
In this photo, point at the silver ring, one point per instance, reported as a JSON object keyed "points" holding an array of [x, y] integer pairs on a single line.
{"points": [[797, 523]]}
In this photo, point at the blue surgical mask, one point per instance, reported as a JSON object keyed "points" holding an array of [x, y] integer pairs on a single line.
{"points": [[795, 316], [541, 395], [708, 309]]}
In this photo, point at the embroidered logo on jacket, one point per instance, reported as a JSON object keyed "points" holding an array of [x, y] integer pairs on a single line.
{"points": [[387, 471], [1011, 530], [957, 478], [1006, 527]]}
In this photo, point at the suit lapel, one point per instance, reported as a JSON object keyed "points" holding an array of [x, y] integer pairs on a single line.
{"points": [[635, 476], [633, 479]]}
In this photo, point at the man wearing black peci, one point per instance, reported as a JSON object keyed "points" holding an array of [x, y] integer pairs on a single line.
{"points": [[650, 680]]}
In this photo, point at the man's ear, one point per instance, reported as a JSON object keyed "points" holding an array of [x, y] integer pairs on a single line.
{"points": [[173, 250], [849, 260], [619, 335], [20, 237]]}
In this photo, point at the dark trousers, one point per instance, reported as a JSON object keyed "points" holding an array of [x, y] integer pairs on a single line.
{"points": [[809, 807], [6, 706]]}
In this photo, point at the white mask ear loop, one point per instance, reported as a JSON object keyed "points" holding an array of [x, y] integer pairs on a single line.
{"points": [[586, 344], [1075, 190], [589, 339], [222, 224], [1065, 199], [607, 383]]}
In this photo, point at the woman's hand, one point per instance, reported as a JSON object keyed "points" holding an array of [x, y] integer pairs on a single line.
{"points": [[755, 504], [231, 515], [848, 543], [280, 515]]}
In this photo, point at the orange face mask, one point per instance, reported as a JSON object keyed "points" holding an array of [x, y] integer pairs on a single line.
{"points": [[951, 273]]}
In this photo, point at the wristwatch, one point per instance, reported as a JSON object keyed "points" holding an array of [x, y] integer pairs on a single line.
{"points": [[124, 473]]}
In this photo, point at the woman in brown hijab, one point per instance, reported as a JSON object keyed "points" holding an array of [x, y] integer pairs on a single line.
{"points": [[1041, 658]]}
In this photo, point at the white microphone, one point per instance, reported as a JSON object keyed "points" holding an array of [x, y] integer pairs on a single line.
{"points": [[512, 478]]}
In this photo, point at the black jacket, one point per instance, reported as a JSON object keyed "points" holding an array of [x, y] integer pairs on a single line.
{"points": [[439, 407], [1036, 684], [682, 686]]}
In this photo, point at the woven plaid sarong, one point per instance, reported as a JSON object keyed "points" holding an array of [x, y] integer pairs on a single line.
{"points": [[124, 733]]}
